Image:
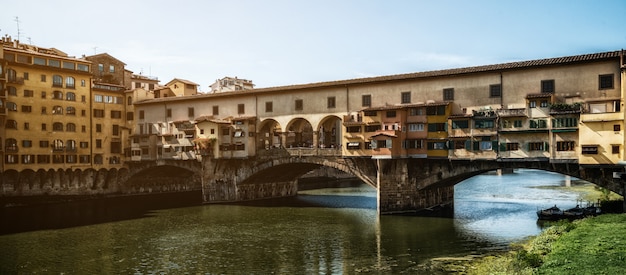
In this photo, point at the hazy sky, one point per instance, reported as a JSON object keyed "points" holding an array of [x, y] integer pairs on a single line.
{"points": [[276, 43]]}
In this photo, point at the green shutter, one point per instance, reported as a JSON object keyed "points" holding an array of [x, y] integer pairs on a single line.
{"points": [[468, 144]]}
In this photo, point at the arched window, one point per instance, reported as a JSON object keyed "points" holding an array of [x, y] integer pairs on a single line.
{"points": [[57, 126], [70, 145], [70, 111], [57, 95], [11, 106], [12, 90], [97, 159], [69, 96], [57, 145], [129, 101], [57, 81], [57, 110], [69, 82], [70, 127], [11, 145], [10, 124]]}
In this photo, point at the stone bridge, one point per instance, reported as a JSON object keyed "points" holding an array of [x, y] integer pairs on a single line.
{"points": [[404, 185]]}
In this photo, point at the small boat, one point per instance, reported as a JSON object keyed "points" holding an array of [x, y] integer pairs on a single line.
{"points": [[551, 214], [574, 213], [592, 210]]}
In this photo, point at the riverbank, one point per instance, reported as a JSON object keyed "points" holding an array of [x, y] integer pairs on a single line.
{"points": [[588, 246]]}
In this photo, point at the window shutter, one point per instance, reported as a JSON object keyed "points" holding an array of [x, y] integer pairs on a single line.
{"points": [[468, 144]]}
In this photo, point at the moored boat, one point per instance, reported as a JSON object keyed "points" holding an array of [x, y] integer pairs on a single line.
{"points": [[551, 214]]}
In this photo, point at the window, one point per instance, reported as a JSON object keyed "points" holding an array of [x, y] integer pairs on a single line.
{"points": [[269, 107], [44, 127], [26, 108], [436, 145], [117, 114], [460, 124], [98, 128], [436, 127], [495, 90], [416, 127], [606, 81], [70, 145], [70, 111], [413, 144], [564, 122], [216, 110], [98, 113], [10, 124], [370, 113], [330, 102], [44, 144], [43, 94], [70, 127], [111, 69], [590, 149], [539, 123], [57, 145], [39, 61], [28, 93], [299, 104], [83, 83], [615, 149], [84, 144], [513, 146], [98, 143], [11, 145], [390, 114], [98, 98], [353, 145], [116, 130], [82, 67], [617, 128], [405, 97], [537, 146], [57, 81], [12, 91], [26, 75], [565, 146], [436, 110], [448, 94], [27, 143], [70, 96], [26, 125], [57, 95], [190, 112], [547, 86], [353, 129], [129, 116], [100, 68], [366, 100], [517, 123], [543, 104], [69, 82], [43, 78], [532, 104], [484, 124], [241, 109], [57, 110], [11, 106], [57, 126], [69, 65]]}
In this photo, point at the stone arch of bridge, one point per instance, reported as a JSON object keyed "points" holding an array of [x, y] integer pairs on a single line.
{"points": [[162, 176], [291, 168]]}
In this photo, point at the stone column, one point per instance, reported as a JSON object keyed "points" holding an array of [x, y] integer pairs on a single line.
{"points": [[316, 139]]}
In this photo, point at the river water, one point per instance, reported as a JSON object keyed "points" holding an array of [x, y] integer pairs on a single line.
{"points": [[323, 231]]}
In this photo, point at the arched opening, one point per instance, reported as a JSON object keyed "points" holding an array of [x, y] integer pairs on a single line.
{"points": [[299, 134], [269, 134], [329, 132]]}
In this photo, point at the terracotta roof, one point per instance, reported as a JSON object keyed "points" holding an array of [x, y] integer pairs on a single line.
{"points": [[594, 57]]}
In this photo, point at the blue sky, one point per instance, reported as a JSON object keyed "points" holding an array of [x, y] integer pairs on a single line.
{"points": [[276, 43]]}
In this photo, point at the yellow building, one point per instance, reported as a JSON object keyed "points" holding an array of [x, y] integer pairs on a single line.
{"points": [[47, 122]]}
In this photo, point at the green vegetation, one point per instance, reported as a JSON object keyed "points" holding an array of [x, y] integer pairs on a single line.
{"points": [[589, 246]]}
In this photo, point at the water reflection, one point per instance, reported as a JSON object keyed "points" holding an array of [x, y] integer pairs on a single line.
{"points": [[328, 231]]}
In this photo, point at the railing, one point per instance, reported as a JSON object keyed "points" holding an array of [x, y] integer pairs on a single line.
{"points": [[512, 112]]}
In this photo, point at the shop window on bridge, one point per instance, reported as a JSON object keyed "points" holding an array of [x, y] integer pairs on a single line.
{"points": [[590, 149], [413, 144], [28, 159], [538, 146], [11, 158], [372, 128], [436, 145], [386, 143], [484, 124], [565, 122], [71, 159], [437, 127], [370, 113], [511, 146], [436, 110], [565, 146], [353, 145], [460, 124], [353, 129], [539, 123]]}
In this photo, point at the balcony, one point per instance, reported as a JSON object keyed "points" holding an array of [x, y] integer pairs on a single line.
{"points": [[16, 80], [519, 112], [564, 108]]}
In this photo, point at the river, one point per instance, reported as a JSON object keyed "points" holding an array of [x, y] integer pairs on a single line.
{"points": [[322, 231]]}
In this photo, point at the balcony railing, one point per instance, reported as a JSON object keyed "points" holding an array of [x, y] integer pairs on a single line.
{"points": [[519, 112]]}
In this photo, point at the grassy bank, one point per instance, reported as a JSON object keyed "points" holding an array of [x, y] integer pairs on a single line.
{"points": [[589, 246]]}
